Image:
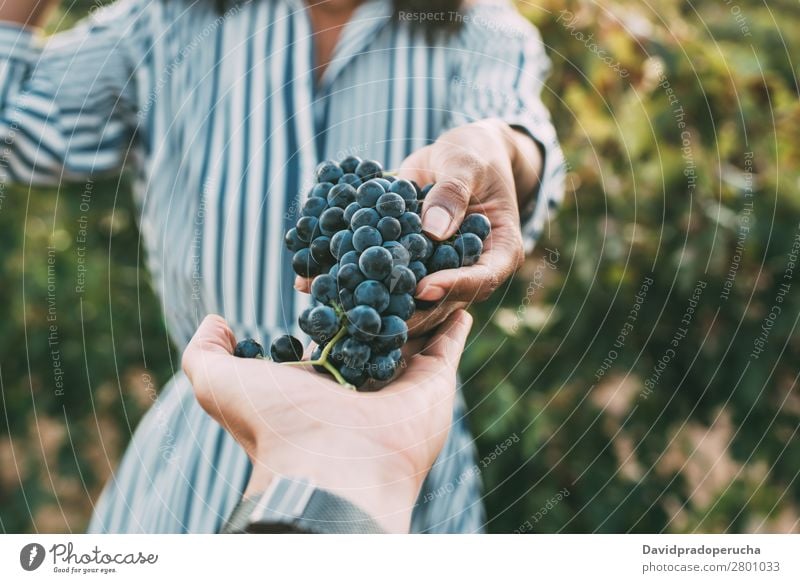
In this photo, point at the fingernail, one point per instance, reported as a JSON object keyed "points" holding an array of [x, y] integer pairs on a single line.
{"points": [[436, 221], [431, 293]]}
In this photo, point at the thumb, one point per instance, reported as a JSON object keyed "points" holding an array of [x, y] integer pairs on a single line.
{"points": [[213, 337], [447, 202]]}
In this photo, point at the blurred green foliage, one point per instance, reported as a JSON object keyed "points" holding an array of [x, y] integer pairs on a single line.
{"points": [[704, 441]]}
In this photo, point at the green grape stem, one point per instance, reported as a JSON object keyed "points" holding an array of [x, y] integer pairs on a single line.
{"points": [[323, 359]]}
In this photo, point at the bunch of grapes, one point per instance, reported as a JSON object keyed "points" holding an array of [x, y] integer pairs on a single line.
{"points": [[360, 239]]}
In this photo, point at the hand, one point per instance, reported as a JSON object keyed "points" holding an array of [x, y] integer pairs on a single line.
{"points": [[374, 449], [480, 167], [27, 12]]}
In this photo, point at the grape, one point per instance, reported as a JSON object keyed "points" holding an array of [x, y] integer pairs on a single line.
{"points": [[324, 289], [332, 221], [391, 205], [346, 299], [368, 193], [363, 323], [476, 224], [314, 206], [349, 276], [389, 228], [307, 228], [418, 269], [400, 255], [415, 245], [356, 353], [365, 218], [293, 240], [349, 257], [350, 179], [341, 195], [341, 244], [248, 348], [401, 280], [351, 209], [372, 293], [321, 190], [329, 171], [445, 257], [304, 265], [321, 250], [375, 263], [366, 237], [469, 248], [368, 169], [350, 164], [286, 349], [359, 238], [324, 324], [401, 305]]}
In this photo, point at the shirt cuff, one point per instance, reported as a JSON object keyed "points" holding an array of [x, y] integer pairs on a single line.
{"points": [[535, 215], [18, 43]]}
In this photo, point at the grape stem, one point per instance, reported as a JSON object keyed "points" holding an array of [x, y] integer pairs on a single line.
{"points": [[323, 359]]}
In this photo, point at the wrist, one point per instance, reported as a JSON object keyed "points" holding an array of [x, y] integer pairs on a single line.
{"points": [[381, 487]]}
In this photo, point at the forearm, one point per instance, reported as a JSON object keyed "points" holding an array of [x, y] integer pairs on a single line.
{"points": [[26, 12]]}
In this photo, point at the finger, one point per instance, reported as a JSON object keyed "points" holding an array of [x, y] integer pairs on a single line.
{"points": [[302, 284], [415, 168], [448, 343], [214, 337], [478, 282], [458, 177], [425, 320]]}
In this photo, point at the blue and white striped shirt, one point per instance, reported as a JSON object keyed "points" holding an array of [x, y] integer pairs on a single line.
{"points": [[222, 121]]}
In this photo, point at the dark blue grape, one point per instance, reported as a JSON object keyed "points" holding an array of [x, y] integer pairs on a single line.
{"points": [[324, 289], [304, 322], [416, 246], [314, 206], [328, 171], [401, 305], [418, 269], [389, 228], [423, 192], [307, 228], [429, 248], [324, 324], [372, 293], [356, 353], [476, 224], [286, 349], [321, 190], [363, 323], [334, 270], [366, 237], [332, 221], [384, 182], [349, 276], [368, 194], [350, 179], [347, 299], [368, 169], [469, 248], [413, 207], [304, 265], [401, 280], [375, 263], [349, 164], [351, 209], [349, 257], [365, 218], [400, 255], [293, 241], [381, 367], [321, 250], [341, 243], [354, 376], [341, 195], [390, 205], [445, 257], [389, 178], [248, 348], [394, 332], [405, 189], [410, 223]]}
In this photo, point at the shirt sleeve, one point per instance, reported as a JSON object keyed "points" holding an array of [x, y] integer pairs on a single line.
{"points": [[501, 66], [68, 106]]}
